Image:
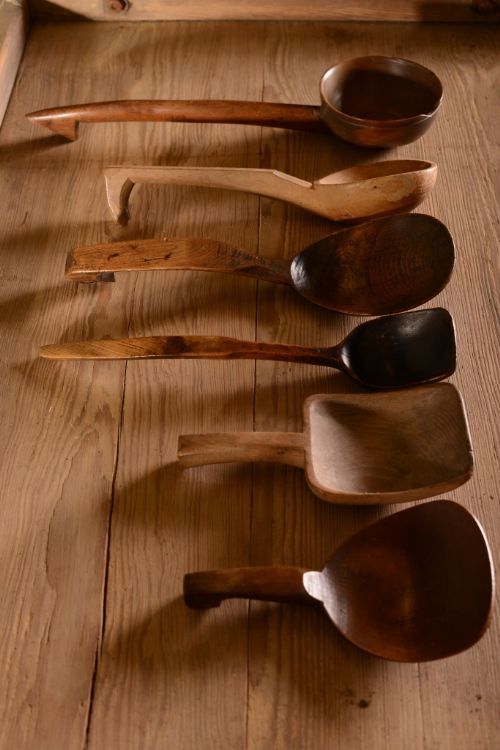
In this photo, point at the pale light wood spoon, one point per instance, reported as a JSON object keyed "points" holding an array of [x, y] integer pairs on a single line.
{"points": [[394, 351], [360, 192], [382, 266], [361, 448], [415, 586]]}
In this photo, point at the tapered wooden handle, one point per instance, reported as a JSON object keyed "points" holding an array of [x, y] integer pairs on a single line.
{"points": [[189, 347], [120, 182], [99, 262], [64, 120], [271, 584], [228, 447]]}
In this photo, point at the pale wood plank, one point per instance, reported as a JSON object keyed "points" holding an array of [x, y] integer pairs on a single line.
{"points": [[169, 677], [298, 10], [14, 27]]}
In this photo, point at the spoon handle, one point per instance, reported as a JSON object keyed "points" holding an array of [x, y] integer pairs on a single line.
{"points": [[64, 120], [268, 182], [248, 447], [189, 347], [270, 584], [99, 262]]}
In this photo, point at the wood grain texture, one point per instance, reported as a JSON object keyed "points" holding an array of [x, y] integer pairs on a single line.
{"points": [[327, 10], [14, 26], [98, 524]]}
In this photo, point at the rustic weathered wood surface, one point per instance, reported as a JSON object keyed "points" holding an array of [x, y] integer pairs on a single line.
{"points": [[338, 10], [97, 524]]}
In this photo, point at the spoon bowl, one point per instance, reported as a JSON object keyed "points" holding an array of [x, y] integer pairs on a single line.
{"points": [[383, 266], [379, 267], [369, 101], [415, 586], [379, 101]]}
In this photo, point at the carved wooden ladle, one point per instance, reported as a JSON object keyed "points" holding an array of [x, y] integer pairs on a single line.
{"points": [[360, 192], [415, 586], [362, 448], [370, 101], [382, 266], [394, 351]]}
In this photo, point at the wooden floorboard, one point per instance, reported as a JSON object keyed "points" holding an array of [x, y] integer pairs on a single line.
{"points": [[97, 523]]}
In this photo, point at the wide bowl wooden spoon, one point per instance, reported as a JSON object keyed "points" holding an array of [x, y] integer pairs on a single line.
{"points": [[415, 586], [382, 266], [360, 192], [370, 101], [394, 351], [361, 448]]}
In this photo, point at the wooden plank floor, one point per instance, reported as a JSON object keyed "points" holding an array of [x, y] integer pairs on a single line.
{"points": [[97, 524]]}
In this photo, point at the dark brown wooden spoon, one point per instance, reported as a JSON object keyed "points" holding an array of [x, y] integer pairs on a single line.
{"points": [[415, 586], [394, 351], [370, 101], [379, 267]]}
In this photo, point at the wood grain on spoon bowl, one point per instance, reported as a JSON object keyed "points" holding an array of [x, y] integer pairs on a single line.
{"points": [[362, 192], [394, 351], [371, 101], [415, 586], [383, 266]]}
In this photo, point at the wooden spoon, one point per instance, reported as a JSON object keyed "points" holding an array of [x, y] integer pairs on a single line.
{"points": [[415, 586], [383, 266], [369, 101], [362, 448], [390, 352], [360, 192]]}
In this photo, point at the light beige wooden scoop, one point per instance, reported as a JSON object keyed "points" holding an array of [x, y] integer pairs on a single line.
{"points": [[360, 448], [359, 192]]}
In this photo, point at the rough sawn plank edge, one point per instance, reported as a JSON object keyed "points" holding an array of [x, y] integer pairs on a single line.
{"points": [[252, 10]]}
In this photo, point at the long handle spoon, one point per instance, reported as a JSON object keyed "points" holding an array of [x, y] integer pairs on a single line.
{"points": [[370, 101], [390, 352], [361, 192], [383, 266]]}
